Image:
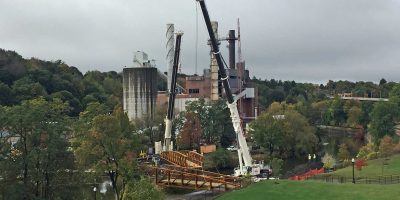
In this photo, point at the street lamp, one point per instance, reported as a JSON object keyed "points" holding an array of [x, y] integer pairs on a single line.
{"points": [[352, 161], [94, 191]]}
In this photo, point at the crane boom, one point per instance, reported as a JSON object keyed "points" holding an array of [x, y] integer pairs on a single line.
{"points": [[172, 94], [243, 150]]}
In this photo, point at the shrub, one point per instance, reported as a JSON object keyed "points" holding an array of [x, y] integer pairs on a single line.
{"points": [[360, 163], [386, 147], [366, 151], [276, 165], [372, 156], [328, 161], [221, 158], [142, 189]]}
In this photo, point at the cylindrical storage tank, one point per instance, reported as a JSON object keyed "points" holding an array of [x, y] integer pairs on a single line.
{"points": [[140, 92]]}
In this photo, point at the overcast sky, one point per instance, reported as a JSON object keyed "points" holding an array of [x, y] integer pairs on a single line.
{"points": [[301, 40]]}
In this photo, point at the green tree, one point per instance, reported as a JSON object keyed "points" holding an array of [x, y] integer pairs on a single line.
{"points": [[6, 96], [26, 89], [383, 117], [284, 131], [353, 116], [335, 114], [221, 158], [107, 145], [276, 165], [37, 162]]}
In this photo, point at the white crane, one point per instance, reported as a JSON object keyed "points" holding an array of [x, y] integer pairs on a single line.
{"points": [[246, 165]]}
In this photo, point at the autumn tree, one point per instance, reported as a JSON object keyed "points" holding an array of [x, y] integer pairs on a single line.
{"points": [[215, 121], [190, 135], [386, 147]]}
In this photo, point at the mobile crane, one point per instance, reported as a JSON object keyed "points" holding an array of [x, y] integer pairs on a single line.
{"points": [[246, 165], [172, 93]]}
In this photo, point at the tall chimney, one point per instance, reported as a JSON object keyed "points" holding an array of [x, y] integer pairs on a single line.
{"points": [[231, 41], [170, 52]]}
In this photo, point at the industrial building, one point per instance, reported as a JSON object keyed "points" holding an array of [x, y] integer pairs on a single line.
{"points": [[141, 95]]}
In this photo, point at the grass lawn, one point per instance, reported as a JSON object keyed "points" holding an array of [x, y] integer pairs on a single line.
{"points": [[308, 190], [373, 169]]}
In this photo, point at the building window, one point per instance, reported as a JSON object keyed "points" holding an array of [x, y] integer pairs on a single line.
{"points": [[194, 91]]}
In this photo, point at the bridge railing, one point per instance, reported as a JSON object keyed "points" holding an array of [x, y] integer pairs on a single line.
{"points": [[199, 180], [174, 157], [203, 172], [183, 158]]}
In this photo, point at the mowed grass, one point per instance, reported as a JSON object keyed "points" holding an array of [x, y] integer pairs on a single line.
{"points": [[299, 190], [373, 169], [308, 190]]}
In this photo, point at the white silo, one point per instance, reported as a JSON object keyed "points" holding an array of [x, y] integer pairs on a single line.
{"points": [[140, 88]]}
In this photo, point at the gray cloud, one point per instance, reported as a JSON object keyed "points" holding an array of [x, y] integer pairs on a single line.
{"points": [[302, 40]]}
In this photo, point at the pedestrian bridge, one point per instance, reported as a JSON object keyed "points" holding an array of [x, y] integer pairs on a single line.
{"points": [[190, 178]]}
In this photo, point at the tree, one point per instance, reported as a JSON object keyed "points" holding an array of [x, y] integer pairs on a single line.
{"points": [[317, 112], [189, 137], [366, 108], [215, 121], [276, 165], [37, 160], [284, 131], [386, 147], [335, 114], [344, 153], [108, 145], [383, 117], [221, 158], [382, 81], [353, 116], [6, 96], [26, 89], [268, 132]]}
